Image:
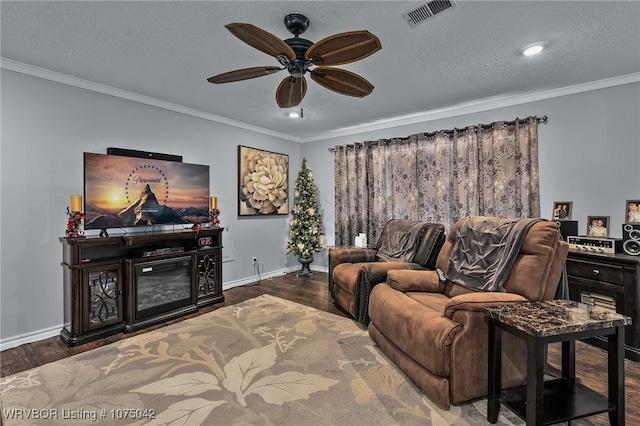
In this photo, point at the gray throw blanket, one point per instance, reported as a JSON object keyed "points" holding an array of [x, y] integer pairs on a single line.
{"points": [[485, 250], [400, 240]]}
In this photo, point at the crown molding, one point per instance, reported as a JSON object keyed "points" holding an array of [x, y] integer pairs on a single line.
{"points": [[476, 106], [46, 74]]}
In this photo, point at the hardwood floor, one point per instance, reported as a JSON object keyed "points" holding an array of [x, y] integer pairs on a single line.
{"points": [[591, 362]]}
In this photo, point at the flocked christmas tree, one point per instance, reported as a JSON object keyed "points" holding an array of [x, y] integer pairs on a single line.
{"points": [[305, 227]]}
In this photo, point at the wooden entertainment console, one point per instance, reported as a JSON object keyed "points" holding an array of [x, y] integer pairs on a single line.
{"points": [[105, 292]]}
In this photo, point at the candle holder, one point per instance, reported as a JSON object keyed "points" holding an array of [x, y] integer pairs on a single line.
{"points": [[213, 217], [73, 224]]}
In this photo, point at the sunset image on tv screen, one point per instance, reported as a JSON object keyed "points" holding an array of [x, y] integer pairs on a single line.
{"points": [[126, 191]]}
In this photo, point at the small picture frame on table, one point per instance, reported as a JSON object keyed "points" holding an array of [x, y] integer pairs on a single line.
{"points": [[632, 211], [598, 226], [562, 210]]}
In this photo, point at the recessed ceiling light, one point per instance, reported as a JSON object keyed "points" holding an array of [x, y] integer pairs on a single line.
{"points": [[533, 49], [296, 114]]}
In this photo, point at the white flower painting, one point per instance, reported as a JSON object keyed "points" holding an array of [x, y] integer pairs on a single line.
{"points": [[263, 182]]}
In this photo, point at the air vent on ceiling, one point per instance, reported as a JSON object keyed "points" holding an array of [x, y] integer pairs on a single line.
{"points": [[424, 11]]}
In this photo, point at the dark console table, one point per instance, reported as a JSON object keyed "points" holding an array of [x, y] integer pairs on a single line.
{"points": [[131, 281], [609, 281], [563, 399]]}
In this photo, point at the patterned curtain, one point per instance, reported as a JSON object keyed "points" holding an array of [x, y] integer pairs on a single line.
{"points": [[487, 170]]}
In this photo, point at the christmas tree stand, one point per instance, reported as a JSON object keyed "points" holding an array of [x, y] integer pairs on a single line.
{"points": [[305, 272]]}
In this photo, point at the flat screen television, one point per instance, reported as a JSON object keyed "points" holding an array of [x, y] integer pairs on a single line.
{"points": [[122, 192]]}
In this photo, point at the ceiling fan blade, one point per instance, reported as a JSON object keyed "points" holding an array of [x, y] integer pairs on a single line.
{"points": [[262, 40], [343, 48], [291, 91], [342, 81], [242, 74]]}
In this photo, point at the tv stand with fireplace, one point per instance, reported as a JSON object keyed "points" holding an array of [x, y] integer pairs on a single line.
{"points": [[123, 283]]}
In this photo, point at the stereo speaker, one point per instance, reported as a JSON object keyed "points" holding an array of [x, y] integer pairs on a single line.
{"points": [[568, 228], [144, 154], [631, 238]]}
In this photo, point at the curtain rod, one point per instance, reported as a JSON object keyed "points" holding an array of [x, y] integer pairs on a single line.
{"points": [[542, 120]]}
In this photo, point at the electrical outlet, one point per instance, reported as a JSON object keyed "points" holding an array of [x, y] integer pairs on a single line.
{"points": [[255, 259]]}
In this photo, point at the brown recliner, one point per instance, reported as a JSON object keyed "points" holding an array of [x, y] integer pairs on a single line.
{"points": [[403, 244], [436, 331]]}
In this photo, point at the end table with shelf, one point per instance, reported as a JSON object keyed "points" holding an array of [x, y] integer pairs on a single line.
{"points": [[541, 402]]}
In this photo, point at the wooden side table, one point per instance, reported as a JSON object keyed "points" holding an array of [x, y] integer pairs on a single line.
{"points": [[542, 402]]}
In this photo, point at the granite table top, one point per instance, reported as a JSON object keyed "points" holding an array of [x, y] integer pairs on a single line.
{"points": [[555, 317]]}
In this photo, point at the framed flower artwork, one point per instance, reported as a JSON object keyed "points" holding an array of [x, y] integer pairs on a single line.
{"points": [[263, 182]]}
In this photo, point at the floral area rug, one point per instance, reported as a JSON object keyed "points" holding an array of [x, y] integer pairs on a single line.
{"points": [[265, 361]]}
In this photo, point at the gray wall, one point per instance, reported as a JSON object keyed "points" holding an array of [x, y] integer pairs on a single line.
{"points": [[46, 126], [589, 152]]}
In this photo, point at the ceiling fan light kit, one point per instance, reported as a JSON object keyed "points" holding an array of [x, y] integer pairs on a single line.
{"points": [[296, 114], [533, 49], [299, 56]]}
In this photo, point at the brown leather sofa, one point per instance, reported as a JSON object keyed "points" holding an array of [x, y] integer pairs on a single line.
{"points": [[436, 331], [403, 244]]}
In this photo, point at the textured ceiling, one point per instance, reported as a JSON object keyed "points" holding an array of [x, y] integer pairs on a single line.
{"points": [[167, 50]]}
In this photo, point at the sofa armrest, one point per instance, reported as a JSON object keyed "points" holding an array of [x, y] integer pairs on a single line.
{"points": [[340, 255], [377, 272], [412, 280], [477, 301], [373, 274]]}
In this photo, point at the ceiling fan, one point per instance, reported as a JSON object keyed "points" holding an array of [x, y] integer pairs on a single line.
{"points": [[299, 56]]}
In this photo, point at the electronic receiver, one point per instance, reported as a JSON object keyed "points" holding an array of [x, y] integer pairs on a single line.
{"points": [[595, 244]]}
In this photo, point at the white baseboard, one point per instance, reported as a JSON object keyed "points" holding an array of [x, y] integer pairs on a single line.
{"points": [[46, 333], [16, 341], [270, 275], [251, 280]]}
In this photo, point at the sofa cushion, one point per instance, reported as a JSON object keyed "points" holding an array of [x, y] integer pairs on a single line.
{"points": [[435, 301], [410, 280], [485, 250], [400, 240], [534, 264], [430, 245], [422, 333]]}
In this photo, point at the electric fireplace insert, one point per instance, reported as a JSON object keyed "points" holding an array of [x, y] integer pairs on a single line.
{"points": [[162, 286]]}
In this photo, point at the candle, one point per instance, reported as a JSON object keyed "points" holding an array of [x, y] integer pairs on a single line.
{"points": [[213, 203], [76, 203]]}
